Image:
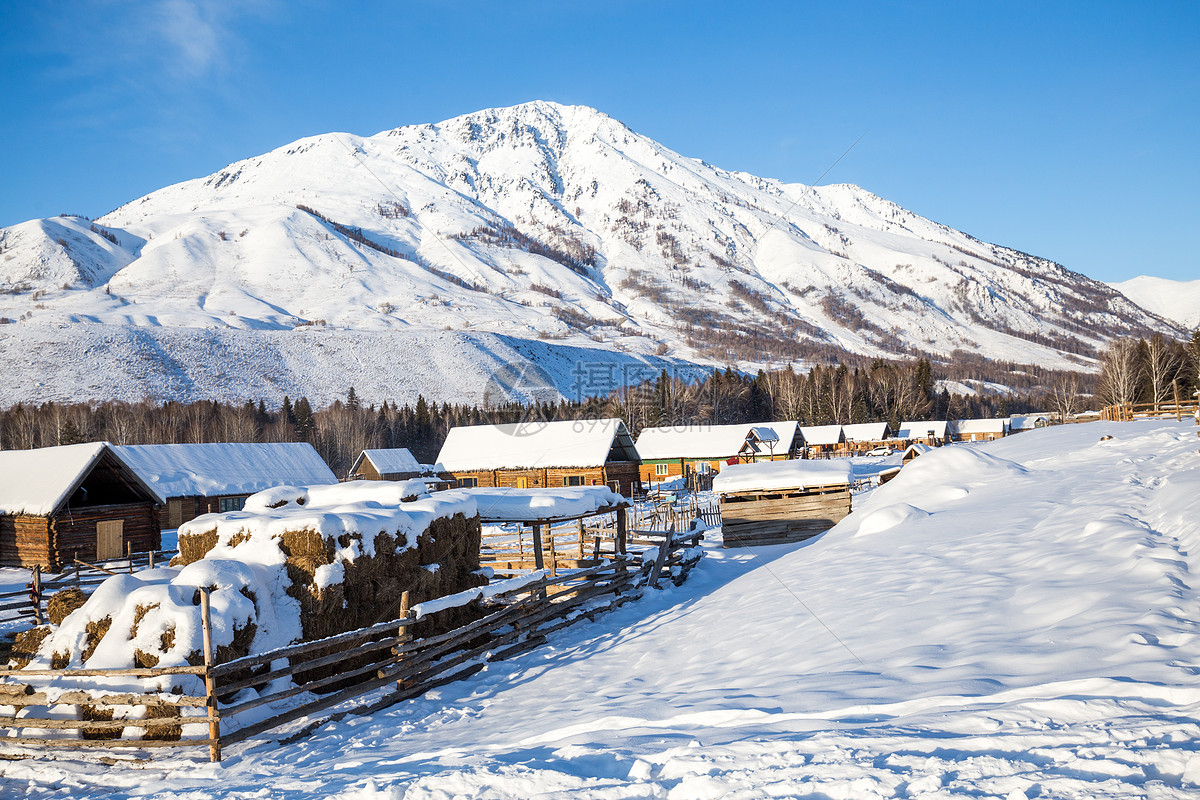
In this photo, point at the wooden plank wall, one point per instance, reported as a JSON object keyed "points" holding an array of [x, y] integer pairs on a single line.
{"points": [[73, 532], [781, 517]]}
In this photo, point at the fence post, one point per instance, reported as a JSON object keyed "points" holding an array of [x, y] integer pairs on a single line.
{"points": [[403, 637], [129, 555], [150, 560], [1178, 410], [621, 531], [553, 550], [210, 682], [538, 560], [35, 593]]}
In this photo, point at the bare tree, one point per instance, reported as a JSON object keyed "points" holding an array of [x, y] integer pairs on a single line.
{"points": [[1066, 397], [1164, 363], [1121, 371]]}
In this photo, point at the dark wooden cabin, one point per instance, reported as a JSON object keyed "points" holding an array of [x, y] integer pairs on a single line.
{"points": [[76, 501], [531, 455]]}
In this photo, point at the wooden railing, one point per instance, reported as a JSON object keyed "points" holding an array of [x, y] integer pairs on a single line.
{"points": [[31, 601], [1124, 412], [514, 615]]}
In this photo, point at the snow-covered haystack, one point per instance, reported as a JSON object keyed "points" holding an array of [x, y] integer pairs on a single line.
{"points": [[349, 551], [296, 564]]}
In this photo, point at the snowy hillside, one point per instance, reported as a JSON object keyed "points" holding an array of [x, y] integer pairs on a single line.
{"points": [[546, 222], [1006, 621], [1178, 301]]}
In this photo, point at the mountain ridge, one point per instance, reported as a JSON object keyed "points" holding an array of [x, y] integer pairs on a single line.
{"points": [[559, 224]]}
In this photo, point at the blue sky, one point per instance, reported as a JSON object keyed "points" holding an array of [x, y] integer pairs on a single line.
{"points": [[1067, 130]]}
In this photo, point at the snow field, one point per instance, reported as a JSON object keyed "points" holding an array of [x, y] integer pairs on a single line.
{"points": [[1025, 626]]}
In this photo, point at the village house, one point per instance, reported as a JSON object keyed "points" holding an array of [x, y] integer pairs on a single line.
{"points": [[80, 501], [195, 479], [397, 464], [866, 436], [529, 455], [934, 433], [822, 441], [979, 430], [675, 450]]}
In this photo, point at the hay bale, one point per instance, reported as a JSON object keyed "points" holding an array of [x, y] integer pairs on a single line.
{"points": [[98, 714], [194, 546], [95, 632], [26, 645], [163, 733], [62, 603]]}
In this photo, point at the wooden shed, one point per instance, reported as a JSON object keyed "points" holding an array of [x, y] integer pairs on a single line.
{"points": [[195, 479], [76, 501], [531, 455], [675, 450], [778, 502], [397, 464]]}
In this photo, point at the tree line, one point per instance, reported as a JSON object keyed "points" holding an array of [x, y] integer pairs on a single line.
{"points": [[881, 391]]}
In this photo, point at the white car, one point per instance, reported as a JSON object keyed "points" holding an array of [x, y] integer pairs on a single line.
{"points": [[880, 451]]}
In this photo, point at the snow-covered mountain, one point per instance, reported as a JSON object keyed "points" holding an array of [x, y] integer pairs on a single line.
{"points": [[1178, 301], [538, 222]]}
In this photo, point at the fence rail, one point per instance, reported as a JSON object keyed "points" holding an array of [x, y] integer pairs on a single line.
{"points": [[512, 616]]}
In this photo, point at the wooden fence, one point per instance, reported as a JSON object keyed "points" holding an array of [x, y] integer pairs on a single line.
{"points": [[31, 601], [1179, 409], [514, 615]]}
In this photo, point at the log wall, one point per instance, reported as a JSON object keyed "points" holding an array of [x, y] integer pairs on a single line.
{"points": [[73, 531], [758, 518], [24, 540]]}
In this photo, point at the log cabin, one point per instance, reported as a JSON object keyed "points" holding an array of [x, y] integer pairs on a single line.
{"points": [[531, 455], [822, 441], [398, 464], [979, 430], [934, 433], [866, 436], [195, 479], [75, 501], [780, 502], [671, 451]]}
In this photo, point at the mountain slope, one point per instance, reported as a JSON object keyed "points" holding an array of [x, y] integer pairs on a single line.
{"points": [[558, 223], [1178, 301]]}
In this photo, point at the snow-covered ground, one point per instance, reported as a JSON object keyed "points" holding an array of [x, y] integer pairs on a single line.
{"points": [[1011, 620]]}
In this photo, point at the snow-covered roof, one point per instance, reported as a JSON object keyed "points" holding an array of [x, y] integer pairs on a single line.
{"points": [[916, 449], [790, 474], [531, 505], [922, 430], [393, 460], [208, 470], [536, 445], [38, 481], [821, 434], [866, 432], [692, 441], [1025, 422], [713, 441], [962, 426]]}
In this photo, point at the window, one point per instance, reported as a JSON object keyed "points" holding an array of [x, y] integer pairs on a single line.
{"points": [[573, 480], [660, 469], [468, 483], [232, 504]]}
